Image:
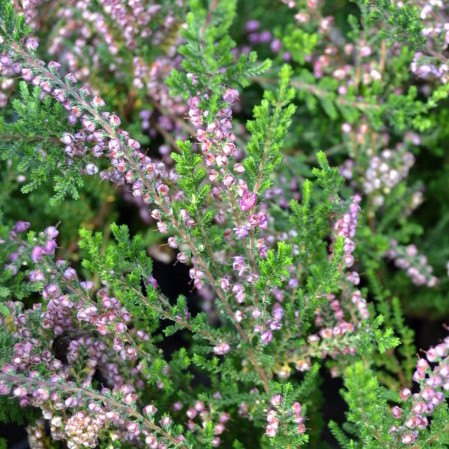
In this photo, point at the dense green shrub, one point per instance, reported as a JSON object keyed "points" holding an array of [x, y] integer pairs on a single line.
{"points": [[292, 155]]}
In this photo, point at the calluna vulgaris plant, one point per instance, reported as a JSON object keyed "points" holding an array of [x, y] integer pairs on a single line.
{"points": [[305, 190]]}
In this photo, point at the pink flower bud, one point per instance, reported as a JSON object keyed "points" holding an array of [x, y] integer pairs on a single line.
{"points": [[222, 348], [247, 201], [408, 438], [422, 365], [228, 180], [172, 243], [67, 139], [133, 428], [165, 421], [271, 431], [405, 393], [266, 337], [98, 102], [162, 227], [114, 120], [276, 400], [120, 327], [229, 148], [32, 43], [396, 411], [36, 253], [346, 128]]}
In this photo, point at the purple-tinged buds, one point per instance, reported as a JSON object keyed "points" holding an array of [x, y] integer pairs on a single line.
{"points": [[32, 43], [276, 400]]}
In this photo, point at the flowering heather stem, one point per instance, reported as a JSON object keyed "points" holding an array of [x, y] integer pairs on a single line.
{"points": [[112, 403]]}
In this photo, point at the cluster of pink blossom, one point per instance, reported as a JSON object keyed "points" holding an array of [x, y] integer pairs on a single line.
{"points": [[349, 63], [346, 227], [134, 20], [217, 143], [221, 155], [169, 110], [334, 307], [30, 10], [82, 430], [7, 73], [148, 179], [205, 414], [385, 172], [360, 303], [95, 327], [416, 266], [77, 415], [432, 376], [150, 183], [45, 245], [263, 37], [430, 63], [330, 341], [110, 24], [36, 434], [278, 413], [336, 335], [67, 305], [88, 32]]}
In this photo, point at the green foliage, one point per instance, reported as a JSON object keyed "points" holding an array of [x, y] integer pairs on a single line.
{"points": [[125, 266], [32, 141], [191, 177], [12, 25], [299, 43], [232, 339], [208, 60], [275, 268], [287, 435], [402, 22], [268, 131], [320, 199], [368, 409]]}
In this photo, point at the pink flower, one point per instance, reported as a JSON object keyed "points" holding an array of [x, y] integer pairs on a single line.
{"points": [[266, 337], [50, 247], [32, 43], [346, 128], [272, 428], [396, 411], [150, 409], [224, 283], [37, 252], [241, 232], [276, 400], [172, 243], [222, 348], [21, 226], [239, 265], [247, 201], [162, 227], [408, 438], [231, 95]]}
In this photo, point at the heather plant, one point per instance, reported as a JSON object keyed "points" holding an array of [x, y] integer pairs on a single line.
{"points": [[285, 166]]}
